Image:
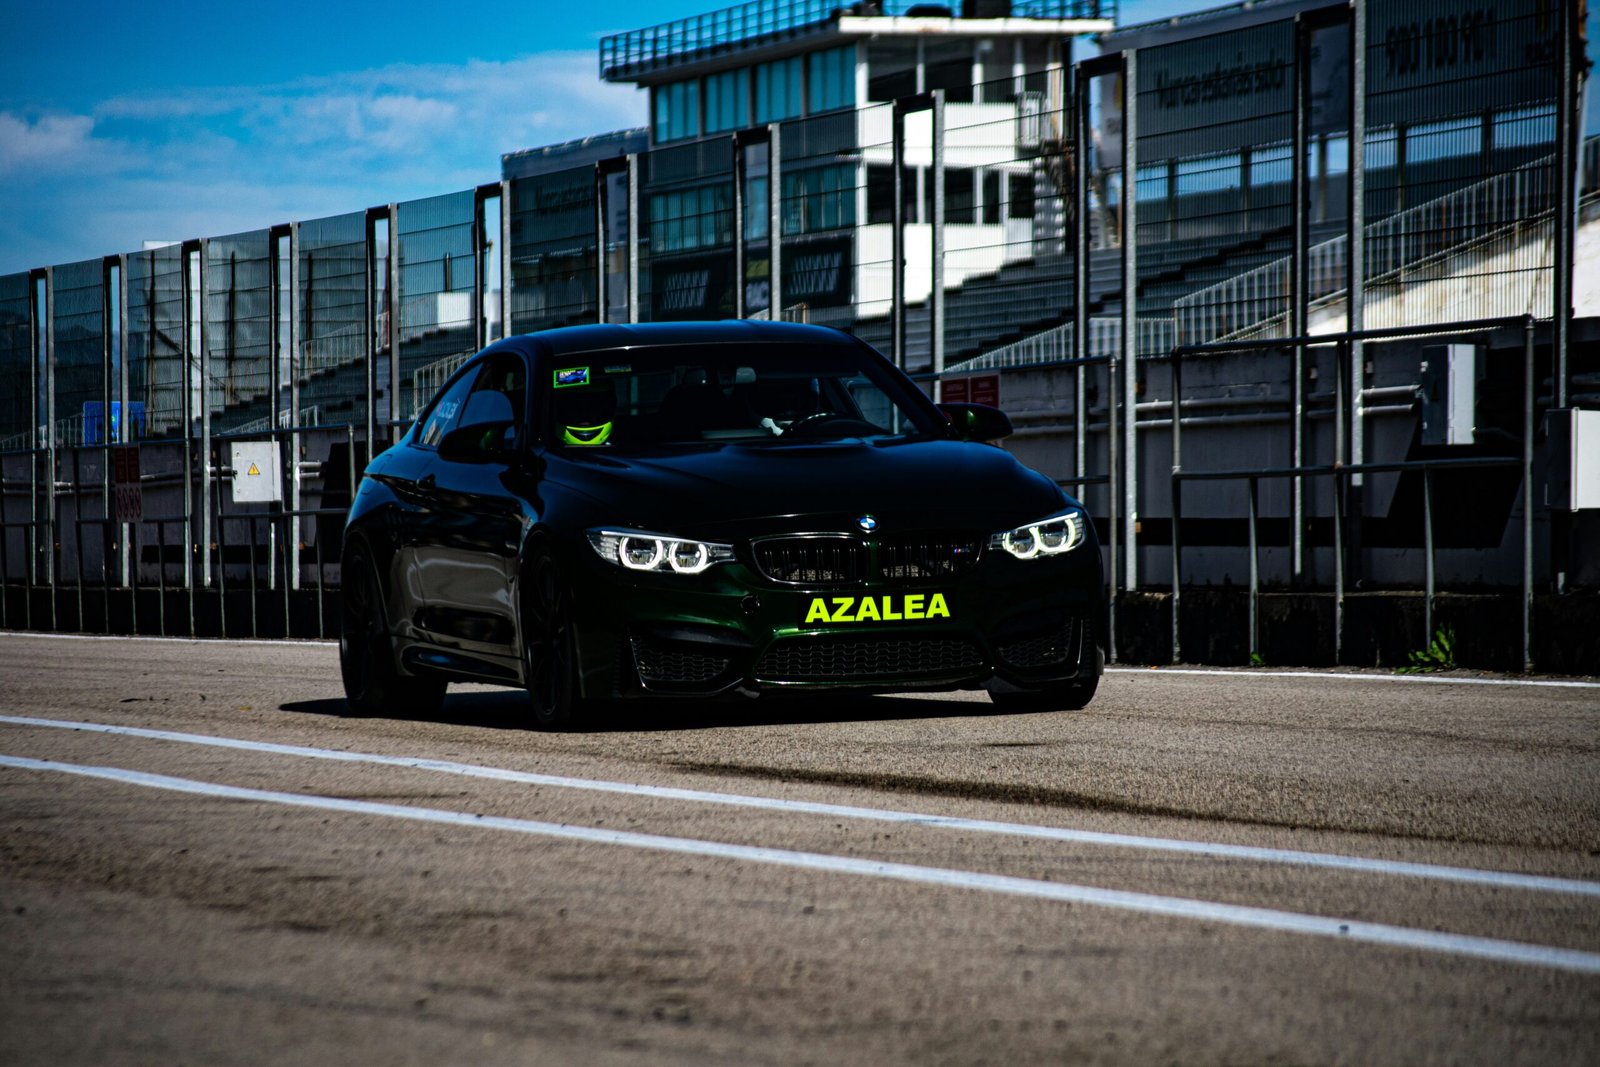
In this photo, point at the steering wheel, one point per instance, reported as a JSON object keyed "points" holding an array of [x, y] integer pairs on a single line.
{"points": [[821, 419]]}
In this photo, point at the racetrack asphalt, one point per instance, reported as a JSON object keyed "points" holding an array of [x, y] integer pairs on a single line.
{"points": [[1201, 867]]}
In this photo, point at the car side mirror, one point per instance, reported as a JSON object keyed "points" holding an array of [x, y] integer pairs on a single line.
{"points": [[976, 422], [478, 443]]}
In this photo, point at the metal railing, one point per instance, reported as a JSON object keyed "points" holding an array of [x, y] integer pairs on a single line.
{"points": [[177, 584], [309, 416], [334, 351], [1342, 472], [425, 381], [1155, 337], [687, 38], [1256, 302]]}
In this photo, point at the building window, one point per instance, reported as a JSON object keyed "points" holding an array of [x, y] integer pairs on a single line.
{"points": [[819, 198], [1021, 190], [757, 211], [891, 69], [778, 90], [880, 193], [727, 100], [948, 66], [991, 197], [995, 62], [960, 205], [687, 219], [677, 111], [832, 79]]}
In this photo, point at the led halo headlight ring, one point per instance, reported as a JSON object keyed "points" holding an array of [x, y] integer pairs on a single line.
{"points": [[638, 550], [1053, 536]]}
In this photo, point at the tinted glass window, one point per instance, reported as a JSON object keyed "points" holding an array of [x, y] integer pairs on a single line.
{"points": [[677, 111], [832, 79], [499, 395], [446, 410], [949, 67], [766, 394], [891, 69], [727, 100], [778, 90]]}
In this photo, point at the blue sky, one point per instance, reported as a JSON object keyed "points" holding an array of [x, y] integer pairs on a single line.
{"points": [[121, 123]]}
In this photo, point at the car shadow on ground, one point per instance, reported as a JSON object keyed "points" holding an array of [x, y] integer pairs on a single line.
{"points": [[508, 709]]}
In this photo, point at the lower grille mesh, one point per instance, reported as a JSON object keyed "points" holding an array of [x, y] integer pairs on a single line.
{"points": [[657, 663], [865, 659], [1047, 650]]}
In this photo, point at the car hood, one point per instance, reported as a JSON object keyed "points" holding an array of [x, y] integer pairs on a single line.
{"points": [[736, 489]]}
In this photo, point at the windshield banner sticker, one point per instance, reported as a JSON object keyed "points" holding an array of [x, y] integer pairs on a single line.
{"points": [[572, 376]]}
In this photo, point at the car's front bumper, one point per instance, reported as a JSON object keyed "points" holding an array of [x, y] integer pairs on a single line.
{"points": [[1008, 623]]}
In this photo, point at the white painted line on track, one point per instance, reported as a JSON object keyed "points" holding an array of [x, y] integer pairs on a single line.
{"points": [[1333, 861], [1350, 676], [281, 642], [1150, 904]]}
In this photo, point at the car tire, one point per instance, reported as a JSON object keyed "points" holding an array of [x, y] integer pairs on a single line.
{"points": [[550, 648], [373, 684], [1063, 696]]}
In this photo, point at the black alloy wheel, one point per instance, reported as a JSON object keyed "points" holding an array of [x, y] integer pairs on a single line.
{"points": [[549, 648], [373, 684]]}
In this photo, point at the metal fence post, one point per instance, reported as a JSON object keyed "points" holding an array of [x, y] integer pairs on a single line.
{"points": [[50, 530], [1338, 568], [296, 327], [1568, 99], [505, 257], [1177, 499], [1428, 570], [1130, 316], [1255, 571], [202, 253], [897, 218], [370, 314], [125, 423], [633, 245], [936, 296], [741, 170], [1079, 146], [1357, 243], [1299, 289], [775, 221], [1529, 383]]}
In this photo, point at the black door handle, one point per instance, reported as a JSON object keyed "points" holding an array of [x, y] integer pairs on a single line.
{"points": [[427, 481]]}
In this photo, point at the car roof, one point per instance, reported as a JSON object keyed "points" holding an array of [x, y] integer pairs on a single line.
{"points": [[600, 337]]}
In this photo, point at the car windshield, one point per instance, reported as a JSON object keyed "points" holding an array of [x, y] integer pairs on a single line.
{"points": [[758, 394]]}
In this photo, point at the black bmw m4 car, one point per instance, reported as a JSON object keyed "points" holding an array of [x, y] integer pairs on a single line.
{"points": [[696, 510]]}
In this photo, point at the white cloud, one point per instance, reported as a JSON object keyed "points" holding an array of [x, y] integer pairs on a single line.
{"points": [[51, 142], [224, 159]]}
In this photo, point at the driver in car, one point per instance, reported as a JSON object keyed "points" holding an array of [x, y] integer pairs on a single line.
{"points": [[586, 415]]}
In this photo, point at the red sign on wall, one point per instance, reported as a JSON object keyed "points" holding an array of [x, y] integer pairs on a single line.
{"points": [[983, 389]]}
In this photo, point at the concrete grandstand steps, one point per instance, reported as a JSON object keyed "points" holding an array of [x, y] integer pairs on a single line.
{"points": [[1030, 296]]}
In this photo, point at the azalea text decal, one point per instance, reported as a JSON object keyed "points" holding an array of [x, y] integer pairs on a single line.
{"points": [[907, 606]]}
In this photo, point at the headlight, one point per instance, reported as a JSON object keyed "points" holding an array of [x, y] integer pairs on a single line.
{"points": [[1048, 537], [640, 551]]}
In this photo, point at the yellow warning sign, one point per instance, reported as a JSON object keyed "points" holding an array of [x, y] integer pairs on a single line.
{"points": [[254, 470]]}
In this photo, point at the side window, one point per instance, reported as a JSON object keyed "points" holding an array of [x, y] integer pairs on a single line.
{"points": [[500, 395], [446, 411]]}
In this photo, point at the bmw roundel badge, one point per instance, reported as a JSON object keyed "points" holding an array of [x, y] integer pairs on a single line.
{"points": [[867, 523]]}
